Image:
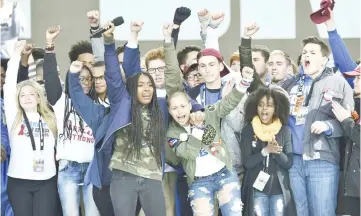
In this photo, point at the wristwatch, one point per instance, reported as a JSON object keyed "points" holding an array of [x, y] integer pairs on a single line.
{"points": [[183, 137]]}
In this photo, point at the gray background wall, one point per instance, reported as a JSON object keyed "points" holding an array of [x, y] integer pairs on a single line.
{"points": [[71, 16]]}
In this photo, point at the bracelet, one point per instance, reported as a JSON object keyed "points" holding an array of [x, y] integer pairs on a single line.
{"points": [[49, 44], [94, 28], [49, 48]]}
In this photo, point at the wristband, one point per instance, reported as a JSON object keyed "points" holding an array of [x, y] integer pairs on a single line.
{"points": [[94, 28]]}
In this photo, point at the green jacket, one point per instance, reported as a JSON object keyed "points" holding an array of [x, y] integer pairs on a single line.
{"points": [[187, 152]]}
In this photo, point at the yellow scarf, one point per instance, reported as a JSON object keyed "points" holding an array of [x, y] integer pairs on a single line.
{"points": [[266, 132]]}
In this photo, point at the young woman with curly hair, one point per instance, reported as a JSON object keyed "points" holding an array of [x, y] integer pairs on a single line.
{"points": [[267, 152]]}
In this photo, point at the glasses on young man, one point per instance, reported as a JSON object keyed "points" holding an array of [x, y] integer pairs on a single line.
{"points": [[159, 69], [191, 77]]}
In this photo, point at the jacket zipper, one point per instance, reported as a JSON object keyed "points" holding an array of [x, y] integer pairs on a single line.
{"points": [[110, 135]]}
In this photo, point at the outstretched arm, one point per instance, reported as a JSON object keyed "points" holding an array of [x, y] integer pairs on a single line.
{"points": [[91, 112], [115, 85], [131, 62]]}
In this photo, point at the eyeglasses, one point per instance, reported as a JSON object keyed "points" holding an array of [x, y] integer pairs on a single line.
{"points": [[191, 77], [100, 78], [159, 69], [85, 80]]}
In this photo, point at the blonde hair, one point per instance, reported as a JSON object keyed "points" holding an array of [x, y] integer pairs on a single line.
{"points": [[154, 54], [289, 60], [42, 107]]}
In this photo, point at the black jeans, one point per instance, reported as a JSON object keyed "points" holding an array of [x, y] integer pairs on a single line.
{"points": [[104, 203], [33, 197], [126, 189]]}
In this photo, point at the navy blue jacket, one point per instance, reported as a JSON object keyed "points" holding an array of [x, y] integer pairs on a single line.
{"points": [[104, 122]]}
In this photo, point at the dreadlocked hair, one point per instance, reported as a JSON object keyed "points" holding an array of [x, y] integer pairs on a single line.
{"points": [[155, 132], [69, 110]]}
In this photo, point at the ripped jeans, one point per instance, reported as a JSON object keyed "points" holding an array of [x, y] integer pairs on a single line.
{"points": [[225, 185], [268, 205]]}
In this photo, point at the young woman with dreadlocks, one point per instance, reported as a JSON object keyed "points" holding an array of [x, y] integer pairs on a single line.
{"points": [[75, 141]]}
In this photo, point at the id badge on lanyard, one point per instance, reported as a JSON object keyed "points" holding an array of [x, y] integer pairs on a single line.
{"points": [[262, 178], [300, 111], [38, 162], [38, 158]]}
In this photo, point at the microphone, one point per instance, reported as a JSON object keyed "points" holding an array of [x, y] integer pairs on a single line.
{"points": [[117, 22]]}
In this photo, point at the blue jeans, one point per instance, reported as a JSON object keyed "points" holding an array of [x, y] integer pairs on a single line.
{"points": [[266, 205], [314, 184], [70, 181], [225, 185]]}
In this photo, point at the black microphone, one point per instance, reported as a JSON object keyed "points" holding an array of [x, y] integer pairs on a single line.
{"points": [[117, 22]]}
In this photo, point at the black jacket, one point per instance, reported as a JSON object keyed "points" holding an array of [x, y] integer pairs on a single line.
{"points": [[253, 164], [351, 164]]}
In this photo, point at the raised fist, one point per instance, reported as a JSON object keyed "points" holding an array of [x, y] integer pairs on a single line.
{"points": [[52, 33], [76, 67], [216, 20], [203, 16], [167, 31], [93, 18], [181, 14], [136, 26], [250, 30], [28, 48], [110, 29]]}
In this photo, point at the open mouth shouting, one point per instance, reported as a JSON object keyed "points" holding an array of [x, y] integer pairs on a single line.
{"points": [[306, 64]]}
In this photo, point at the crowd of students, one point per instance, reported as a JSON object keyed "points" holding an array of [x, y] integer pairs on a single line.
{"points": [[180, 133]]}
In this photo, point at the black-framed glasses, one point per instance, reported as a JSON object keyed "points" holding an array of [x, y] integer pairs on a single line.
{"points": [[85, 80], [191, 77], [159, 69]]}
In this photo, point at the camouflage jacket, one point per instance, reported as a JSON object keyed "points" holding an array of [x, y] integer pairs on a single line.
{"points": [[146, 166]]}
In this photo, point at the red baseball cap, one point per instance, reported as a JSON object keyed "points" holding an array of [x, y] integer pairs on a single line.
{"points": [[217, 54], [323, 14], [353, 73]]}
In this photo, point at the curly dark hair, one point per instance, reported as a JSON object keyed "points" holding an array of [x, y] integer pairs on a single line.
{"points": [[79, 48], [281, 102], [38, 53], [155, 133], [182, 54]]}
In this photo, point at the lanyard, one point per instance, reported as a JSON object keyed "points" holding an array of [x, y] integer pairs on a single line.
{"points": [[203, 94], [30, 131], [301, 86]]}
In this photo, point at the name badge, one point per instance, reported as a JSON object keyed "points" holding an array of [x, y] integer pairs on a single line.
{"points": [[261, 181], [38, 164], [298, 106], [301, 116]]}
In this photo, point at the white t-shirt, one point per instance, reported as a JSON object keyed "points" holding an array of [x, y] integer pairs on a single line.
{"points": [[80, 147], [22, 154], [206, 163]]}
